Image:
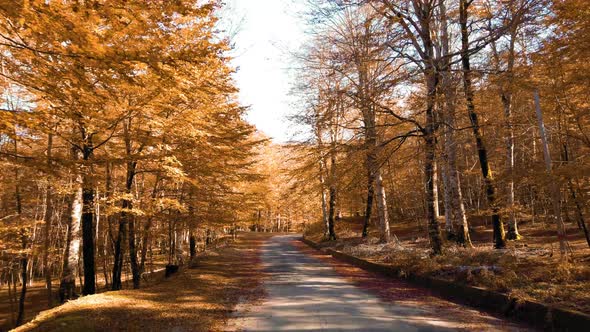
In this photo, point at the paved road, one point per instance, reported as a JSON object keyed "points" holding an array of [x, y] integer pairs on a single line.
{"points": [[307, 294]]}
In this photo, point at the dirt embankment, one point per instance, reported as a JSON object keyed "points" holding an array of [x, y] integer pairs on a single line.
{"points": [[530, 268]]}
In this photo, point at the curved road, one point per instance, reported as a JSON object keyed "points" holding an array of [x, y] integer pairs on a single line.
{"points": [[306, 293]]}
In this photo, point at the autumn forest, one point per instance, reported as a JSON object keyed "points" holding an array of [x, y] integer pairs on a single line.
{"points": [[442, 140]]}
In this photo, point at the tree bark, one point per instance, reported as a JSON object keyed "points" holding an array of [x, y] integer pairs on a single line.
{"points": [[129, 220], [369, 207], [498, 227], [457, 226], [375, 180], [431, 77], [323, 196], [47, 214], [332, 199], [88, 248], [430, 148], [555, 190], [435, 191], [505, 90], [579, 204], [145, 241], [119, 253], [67, 286], [24, 263], [192, 245]]}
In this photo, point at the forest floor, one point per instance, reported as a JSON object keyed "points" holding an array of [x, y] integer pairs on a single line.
{"points": [[36, 298], [530, 268], [199, 298]]}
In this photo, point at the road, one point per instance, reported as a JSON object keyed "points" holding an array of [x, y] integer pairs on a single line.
{"points": [[305, 292]]}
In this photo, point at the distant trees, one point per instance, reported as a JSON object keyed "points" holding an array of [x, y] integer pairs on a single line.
{"points": [[408, 68]]}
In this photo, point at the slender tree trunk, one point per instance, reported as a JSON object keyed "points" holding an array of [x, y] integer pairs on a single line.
{"points": [[498, 227], [375, 180], [369, 207], [505, 91], [512, 233], [332, 200], [11, 296], [431, 77], [435, 192], [24, 239], [192, 245], [24, 263], [128, 219], [88, 247], [23, 236], [579, 212], [579, 205], [67, 286], [385, 235], [323, 195], [145, 241], [555, 190], [430, 147], [456, 218], [119, 253], [135, 272], [47, 219], [375, 187], [433, 227]]}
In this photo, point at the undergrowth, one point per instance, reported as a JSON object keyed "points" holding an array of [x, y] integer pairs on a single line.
{"points": [[526, 272]]}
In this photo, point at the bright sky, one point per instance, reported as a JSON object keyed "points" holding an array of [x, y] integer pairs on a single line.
{"points": [[267, 30]]}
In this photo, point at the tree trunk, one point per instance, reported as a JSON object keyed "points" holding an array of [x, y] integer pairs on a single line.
{"points": [[119, 253], [431, 77], [323, 196], [135, 272], [332, 204], [435, 191], [332, 200], [579, 212], [128, 219], [24, 263], [88, 249], [373, 166], [555, 190], [192, 245], [47, 218], [505, 90], [67, 286], [369, 208], [47, 243], [498, 227], [430, 148], [382, 212], [579, 204], [456, 217], [145, 241]]}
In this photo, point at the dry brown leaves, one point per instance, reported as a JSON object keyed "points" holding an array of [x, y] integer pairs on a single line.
{"points": [[200, 298]]}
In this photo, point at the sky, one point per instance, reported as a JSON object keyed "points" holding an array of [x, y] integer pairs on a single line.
{"points": [[267, 31]]}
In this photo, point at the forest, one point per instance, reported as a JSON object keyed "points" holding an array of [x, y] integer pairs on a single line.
{"points": [[446, 138], [449, 138]]}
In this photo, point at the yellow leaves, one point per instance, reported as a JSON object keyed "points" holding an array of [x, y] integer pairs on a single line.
{"points": [[114, 210], [141, 81], [173, 167], [170, 204]]}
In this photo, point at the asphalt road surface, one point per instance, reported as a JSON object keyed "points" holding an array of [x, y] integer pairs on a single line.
{"points": [[304, 293]]}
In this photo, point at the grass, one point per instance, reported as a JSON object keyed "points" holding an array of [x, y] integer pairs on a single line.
{"points": [[528, 269]]}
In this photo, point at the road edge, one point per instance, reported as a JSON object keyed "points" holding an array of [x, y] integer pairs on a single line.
{"points": [[537, 314]]}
